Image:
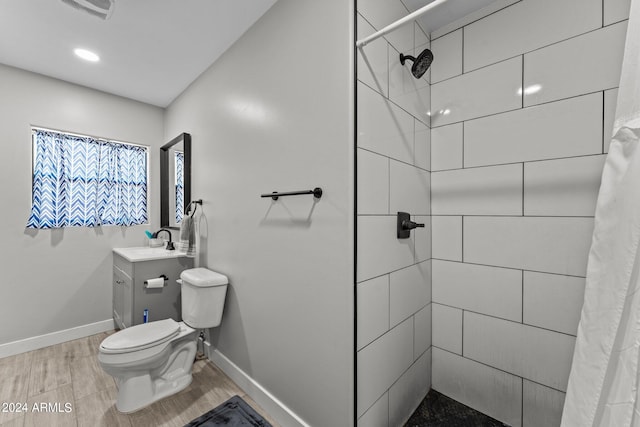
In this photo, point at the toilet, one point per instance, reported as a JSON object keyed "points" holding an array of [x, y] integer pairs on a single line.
{"points": [[154, 360]]}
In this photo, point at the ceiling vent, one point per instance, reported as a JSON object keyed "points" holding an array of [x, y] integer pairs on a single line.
{"points": [[100, 8]]}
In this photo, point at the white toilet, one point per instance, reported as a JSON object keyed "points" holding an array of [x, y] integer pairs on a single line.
{"points": [[154, 360]]}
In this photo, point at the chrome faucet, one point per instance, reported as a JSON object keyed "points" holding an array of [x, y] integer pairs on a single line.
{"points": [[170, 246]]}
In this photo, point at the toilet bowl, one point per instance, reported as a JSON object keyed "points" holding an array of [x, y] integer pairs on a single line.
{"points": [[154, 360]]}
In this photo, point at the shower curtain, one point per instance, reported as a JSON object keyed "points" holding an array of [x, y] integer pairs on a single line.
{"points": [[604, 382]]}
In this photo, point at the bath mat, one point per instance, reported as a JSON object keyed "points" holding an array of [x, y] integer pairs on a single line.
{"points": [[235, 412]]}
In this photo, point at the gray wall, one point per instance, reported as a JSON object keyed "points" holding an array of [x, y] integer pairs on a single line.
{"points": [[60, 279], [275, 113]]}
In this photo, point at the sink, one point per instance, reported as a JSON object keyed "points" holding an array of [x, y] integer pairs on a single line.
{"points": [[145, 253]]}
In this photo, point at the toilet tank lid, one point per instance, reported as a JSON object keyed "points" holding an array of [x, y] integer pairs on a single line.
{"points": [[140, 336], [203, 277]]}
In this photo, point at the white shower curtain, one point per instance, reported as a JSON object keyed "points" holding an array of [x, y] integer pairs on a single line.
{"points": [[605, 376]]}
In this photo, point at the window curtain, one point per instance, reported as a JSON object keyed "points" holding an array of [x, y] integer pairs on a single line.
{"points": [[179, 186], [81, 181]]}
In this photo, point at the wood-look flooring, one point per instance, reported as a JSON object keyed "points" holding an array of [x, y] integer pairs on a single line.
{"points": [[69, 374]]}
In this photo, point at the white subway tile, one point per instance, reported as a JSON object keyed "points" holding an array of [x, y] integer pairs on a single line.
{"points": [[382, 362], [373, 309], [541, 406], [381, 13], [377, 415], [552, 301], [379, 250], [568, 68], [616, 10], [491, 190], [407, 393], [492, 7], [447, 328], [489, 90], [422, 331], [533, 353], [564, 187], [489, 290], [570, 127], [422, 42], [517, 29], [383, 127], [373, 183], [413, 95], [446, 147], [409, 189], [373, 67], [410, 291], [422, 237], [610, 100], [490, 391], [446, 235], [422, 146], [448, 51], [554, 245]]}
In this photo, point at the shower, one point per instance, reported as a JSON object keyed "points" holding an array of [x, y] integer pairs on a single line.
{"points": [[420, 64]]}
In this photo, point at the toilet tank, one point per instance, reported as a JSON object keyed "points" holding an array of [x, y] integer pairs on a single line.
{"points": [[203, 295]]}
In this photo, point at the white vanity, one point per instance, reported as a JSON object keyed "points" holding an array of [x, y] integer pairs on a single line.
{"points": [[132, 267]]}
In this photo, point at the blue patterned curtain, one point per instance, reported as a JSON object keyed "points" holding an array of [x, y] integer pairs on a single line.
{"points": [[81, 181], [179, 168]]}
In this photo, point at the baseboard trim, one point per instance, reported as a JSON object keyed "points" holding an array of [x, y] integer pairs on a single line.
{"points": [[278, 410], [41, 341]]}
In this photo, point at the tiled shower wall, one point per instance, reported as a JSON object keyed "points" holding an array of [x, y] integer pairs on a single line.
{"points": [[523, 102], [394, 276]]}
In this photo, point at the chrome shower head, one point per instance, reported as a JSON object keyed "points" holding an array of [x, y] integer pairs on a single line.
{"points": [[420, 64]]}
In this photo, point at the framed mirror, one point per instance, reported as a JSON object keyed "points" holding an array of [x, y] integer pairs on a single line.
{"points": [[175, 180]]}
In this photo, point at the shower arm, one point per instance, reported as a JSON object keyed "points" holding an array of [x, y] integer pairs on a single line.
{"points": [[400, 22]]}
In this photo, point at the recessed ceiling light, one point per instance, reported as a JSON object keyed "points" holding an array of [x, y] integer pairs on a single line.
{"points": [[87, 55]]}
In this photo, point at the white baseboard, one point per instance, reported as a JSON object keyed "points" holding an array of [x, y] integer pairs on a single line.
{"points": [[41, 341], [275, 408]]}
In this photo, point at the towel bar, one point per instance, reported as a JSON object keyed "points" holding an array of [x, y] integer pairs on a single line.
{"points": [[317, 193]]}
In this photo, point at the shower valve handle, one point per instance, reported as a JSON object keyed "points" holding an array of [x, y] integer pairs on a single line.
{"points": [[404, 225], [410, 225]]}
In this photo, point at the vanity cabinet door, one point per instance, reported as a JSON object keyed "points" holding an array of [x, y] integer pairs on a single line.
{"points": [[122, 298]]}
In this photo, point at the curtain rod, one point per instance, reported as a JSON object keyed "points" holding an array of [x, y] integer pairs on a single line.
{"points": [[398, 23]]}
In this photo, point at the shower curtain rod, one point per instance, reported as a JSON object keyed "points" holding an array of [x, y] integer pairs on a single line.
{"points": [[398, 23]]}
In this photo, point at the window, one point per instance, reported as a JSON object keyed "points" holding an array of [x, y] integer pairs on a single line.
{"points": [[84, 181]]}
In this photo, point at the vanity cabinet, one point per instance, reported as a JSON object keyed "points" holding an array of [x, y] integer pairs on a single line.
{"points": [[130, 295]]}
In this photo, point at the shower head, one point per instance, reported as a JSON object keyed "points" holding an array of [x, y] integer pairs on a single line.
{"points": [[420, 64]]}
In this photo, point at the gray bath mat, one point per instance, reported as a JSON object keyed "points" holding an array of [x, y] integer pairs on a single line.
{"points": [[235, 412]]}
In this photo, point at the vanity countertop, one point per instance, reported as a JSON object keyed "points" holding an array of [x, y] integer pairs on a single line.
{"points": [[145, 253]]}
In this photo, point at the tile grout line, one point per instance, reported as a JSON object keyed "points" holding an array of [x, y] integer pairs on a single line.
{"points": [[522, 83], [550, 159], [523, 214], [513, 110], [500, 369], [522, 299], [603, 118], [522, 401]]}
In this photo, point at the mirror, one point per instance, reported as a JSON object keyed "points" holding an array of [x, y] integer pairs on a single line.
{"points": [[175, 180]]}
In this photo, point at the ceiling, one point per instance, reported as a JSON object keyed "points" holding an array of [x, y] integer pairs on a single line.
{"points": [[150, 50]]}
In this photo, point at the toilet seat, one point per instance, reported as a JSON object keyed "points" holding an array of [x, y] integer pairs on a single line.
{"points": [[140, 337]]}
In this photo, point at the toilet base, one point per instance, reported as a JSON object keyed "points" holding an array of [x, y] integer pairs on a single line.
{"points": [[131, 400], [140, 388]]}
